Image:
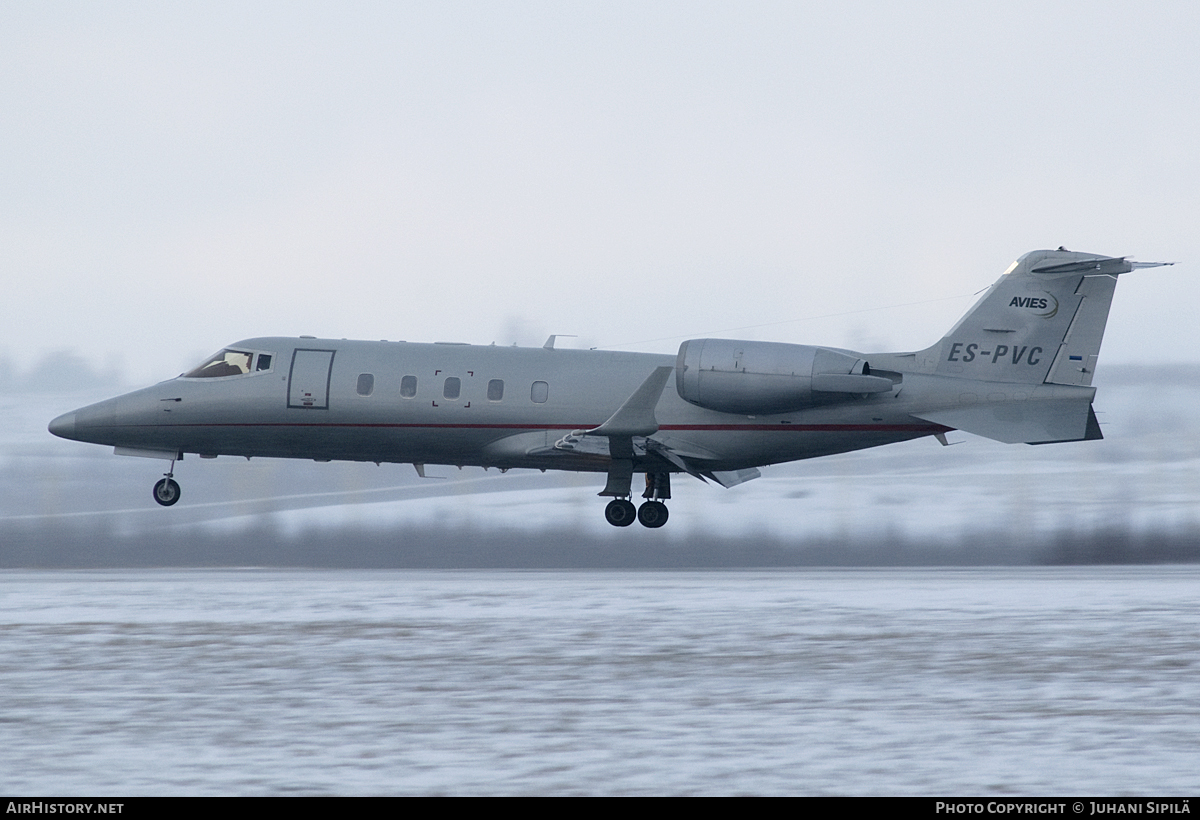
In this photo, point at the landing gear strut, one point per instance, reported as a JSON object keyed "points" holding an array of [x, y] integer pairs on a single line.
{"points": [[653, 513], [620, 512], [166, 491]]}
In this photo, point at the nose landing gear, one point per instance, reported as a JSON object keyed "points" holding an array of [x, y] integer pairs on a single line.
{"points": [[166, 491]]}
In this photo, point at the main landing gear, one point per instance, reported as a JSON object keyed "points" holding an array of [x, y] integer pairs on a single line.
{"points": [[652, 514], [166, 491], [620, 512]]}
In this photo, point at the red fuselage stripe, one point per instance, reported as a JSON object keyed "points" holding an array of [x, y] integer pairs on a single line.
{"points": [[753, 428]]}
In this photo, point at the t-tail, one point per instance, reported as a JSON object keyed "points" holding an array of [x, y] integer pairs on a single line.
{"points": [[1031, 344]]}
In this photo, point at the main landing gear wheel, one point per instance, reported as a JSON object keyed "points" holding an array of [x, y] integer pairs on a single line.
{"points": [[620, 512], [653, 514], [166, 491]]}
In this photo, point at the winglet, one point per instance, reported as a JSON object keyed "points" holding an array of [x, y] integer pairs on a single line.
{"points": [[636, 416]]}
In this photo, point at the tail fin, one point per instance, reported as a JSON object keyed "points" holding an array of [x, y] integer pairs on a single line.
{"points": [[1038, 330], [1042, 321]]}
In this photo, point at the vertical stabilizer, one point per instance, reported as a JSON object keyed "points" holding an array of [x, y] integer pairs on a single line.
{"points": [[1042, 321], [1035, 335]]}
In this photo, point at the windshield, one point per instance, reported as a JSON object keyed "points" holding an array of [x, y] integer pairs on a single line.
{"points": [[229, 363]]}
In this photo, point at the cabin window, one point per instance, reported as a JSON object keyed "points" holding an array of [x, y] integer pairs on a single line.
{"points": [[366, 384], [495, 390], [540, 392], [408, 387], [453, 387], [225, 363]]}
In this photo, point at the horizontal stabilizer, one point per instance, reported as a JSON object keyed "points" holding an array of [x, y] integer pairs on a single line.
{"points": [[1033, 422], [1102, 266], [1093, 432]]}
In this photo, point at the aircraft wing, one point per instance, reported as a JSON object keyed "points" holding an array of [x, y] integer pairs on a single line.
{"points": [[628, 434], [636, 416], [684, 455]]}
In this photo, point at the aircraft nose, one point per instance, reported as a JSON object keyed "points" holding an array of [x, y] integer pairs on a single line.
{"points": [[63, 426]]}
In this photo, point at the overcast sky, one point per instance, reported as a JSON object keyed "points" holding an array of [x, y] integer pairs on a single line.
{"points": [[178, 176]]}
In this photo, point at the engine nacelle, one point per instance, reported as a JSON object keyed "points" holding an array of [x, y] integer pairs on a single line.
{"points": [[768, 377]]}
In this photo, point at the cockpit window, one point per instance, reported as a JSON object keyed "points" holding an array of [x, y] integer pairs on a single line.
{"points": [[226, 363]]}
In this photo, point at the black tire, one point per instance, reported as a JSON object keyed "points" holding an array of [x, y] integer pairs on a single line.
{"points": [[166, 492], [653, 514], [620, 512]]}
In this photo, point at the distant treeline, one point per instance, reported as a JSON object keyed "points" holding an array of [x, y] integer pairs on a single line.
{"points": [[61, 546], [61, 371]]}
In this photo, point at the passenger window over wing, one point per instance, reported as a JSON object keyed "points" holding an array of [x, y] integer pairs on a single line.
{"points": [[540, 392], [408, 387], [453, 388], [495, 390]]}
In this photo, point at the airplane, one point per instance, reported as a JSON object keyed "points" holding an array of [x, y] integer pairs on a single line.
{"points": [[1017, 367]]}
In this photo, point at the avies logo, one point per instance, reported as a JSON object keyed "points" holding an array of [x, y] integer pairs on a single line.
{"points": [[1044, 306]]}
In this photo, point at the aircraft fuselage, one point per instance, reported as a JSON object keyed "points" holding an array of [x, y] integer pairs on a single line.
{"points": [[461, 404]]}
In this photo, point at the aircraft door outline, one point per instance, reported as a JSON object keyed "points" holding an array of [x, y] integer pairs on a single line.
{"points": [[309, 378]]}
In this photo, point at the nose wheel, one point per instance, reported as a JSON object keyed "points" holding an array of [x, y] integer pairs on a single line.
{"points": [[166, 491]]}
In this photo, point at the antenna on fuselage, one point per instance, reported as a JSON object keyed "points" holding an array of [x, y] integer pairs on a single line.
{"points": [[549, 345]]}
